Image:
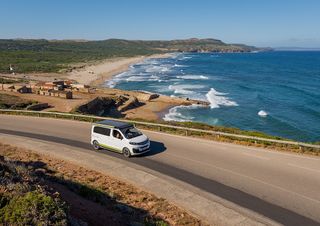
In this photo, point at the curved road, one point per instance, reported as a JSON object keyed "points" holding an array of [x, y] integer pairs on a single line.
{"points": [[283, 187]]}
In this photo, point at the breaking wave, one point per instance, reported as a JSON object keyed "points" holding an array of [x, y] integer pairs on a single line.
{"points": [[158, 68], [193, 77], [217, 99], [136, 79], [175, 115], [185, 89], [262, 113]]}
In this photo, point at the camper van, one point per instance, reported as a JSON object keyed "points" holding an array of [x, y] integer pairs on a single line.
{"points": [[119, 137]]}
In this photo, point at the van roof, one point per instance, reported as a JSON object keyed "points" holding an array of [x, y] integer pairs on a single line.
{"points": [[115, 124]]}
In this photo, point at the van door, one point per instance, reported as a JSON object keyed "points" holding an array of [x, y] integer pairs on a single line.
{"points": [[118, 140], [102, 135]]}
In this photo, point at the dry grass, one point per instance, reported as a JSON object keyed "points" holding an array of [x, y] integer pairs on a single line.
{"points": [[122, 192]]}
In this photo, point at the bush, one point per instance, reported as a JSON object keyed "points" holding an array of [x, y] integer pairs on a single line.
{"points": [[34, 208]]}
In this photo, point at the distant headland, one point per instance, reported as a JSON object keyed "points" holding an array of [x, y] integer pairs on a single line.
{"points": [[41, 55]]}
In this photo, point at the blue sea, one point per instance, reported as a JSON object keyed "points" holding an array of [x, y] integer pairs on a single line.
{"points": [[273, 92]]}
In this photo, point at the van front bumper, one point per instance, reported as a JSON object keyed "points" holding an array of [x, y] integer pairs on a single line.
{"points": [[140, 150]]}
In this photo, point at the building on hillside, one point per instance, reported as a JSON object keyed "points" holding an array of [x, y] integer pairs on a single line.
{"points": [[48, 85], [60, 82], [82, 88], [56, 93], [68, 83], [62, 94], [58, 87], [22, 89], [16, 88]]}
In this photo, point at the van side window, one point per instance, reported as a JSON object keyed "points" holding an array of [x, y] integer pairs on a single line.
{"points": [[117, 134], [101, 130]]}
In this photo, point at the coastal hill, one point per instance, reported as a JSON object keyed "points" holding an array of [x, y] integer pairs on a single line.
{"points": [[40, 55]]}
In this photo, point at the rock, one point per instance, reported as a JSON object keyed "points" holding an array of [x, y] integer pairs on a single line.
{"points": [[131, 103], [147, 96], [96, 105]]}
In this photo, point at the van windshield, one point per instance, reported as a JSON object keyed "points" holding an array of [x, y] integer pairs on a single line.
{"points": [[131, 132]]}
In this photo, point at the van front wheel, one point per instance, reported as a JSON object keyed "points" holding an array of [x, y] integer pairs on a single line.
{"points": [[95, 145], [126, 152]]}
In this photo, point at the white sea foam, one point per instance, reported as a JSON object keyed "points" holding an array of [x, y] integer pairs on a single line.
{"points": [[185, 86], [193, 77], [111, 84], [117, 78], [154, 78], [137, 79], [121, 74], [262, 113], [158, 68], [175, 115], [186, 57], [175, 55], [185, 89], [179, 65], [217, 99]]}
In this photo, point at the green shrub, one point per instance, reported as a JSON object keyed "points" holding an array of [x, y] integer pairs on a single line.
{"points": [[34, 208]]}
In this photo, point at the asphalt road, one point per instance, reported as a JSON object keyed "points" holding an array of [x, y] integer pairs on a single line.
{"points": [[284, 187]]}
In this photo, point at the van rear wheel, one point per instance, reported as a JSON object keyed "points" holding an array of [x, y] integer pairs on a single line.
{"points": [[95, 145], [126, 152]]}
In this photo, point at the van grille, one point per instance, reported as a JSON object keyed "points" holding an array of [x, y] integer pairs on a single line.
{"points": [[143, 142]]}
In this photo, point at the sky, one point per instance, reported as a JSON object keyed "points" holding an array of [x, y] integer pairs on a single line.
{"points": [[271, 23]]}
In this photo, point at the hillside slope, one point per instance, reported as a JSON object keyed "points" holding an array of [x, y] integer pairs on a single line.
{"points": [[28, 55]]}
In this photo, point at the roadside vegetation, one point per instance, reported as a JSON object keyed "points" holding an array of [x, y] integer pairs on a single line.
{"points": [[53, 55], [40, 190], [23, 198]]}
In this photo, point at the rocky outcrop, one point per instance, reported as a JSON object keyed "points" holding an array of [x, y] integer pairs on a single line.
{"points": [[143, 96], [97, 106], [131, 103], [110, 106]]}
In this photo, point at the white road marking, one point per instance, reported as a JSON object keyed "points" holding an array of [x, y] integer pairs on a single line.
{"points": [[248, 177]]}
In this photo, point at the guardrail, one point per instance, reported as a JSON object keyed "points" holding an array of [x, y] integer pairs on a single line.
{"points": [[159, 126]]}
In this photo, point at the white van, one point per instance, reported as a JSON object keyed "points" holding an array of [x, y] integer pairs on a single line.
{"points": [[120, 137]]}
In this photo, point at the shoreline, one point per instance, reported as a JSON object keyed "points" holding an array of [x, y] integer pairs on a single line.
{"points": [[98, 73], [106, 70]]}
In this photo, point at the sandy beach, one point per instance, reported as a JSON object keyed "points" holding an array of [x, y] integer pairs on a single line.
{"points": [[96, 74]]}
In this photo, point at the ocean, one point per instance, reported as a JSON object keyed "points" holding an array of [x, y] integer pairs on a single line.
{"points": [[273, 92]]}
